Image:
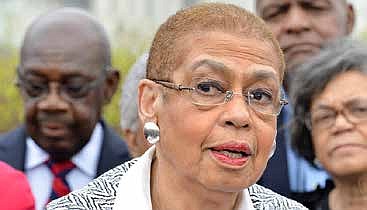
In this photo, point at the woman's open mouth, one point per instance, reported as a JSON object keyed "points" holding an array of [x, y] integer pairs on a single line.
{"points": [[231, 154]]}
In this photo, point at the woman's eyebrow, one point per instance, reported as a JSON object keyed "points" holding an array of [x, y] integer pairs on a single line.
{"points": [[257, 74], [212, 64], [322, 107], [263, 74]]}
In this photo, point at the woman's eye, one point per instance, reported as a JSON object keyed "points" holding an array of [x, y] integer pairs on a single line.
{"points": [[323, 117], [359, 110], [209, 88], [261, 96]]}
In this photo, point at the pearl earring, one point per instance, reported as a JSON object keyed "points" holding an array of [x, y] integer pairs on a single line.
{"points": [[151, 132]]}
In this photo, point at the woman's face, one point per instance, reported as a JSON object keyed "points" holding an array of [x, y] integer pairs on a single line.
{"points": [[224, 147], [339, 126]]}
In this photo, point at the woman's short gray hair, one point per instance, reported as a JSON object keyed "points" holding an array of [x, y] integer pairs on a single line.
{"points": [[312, 77], [129, 96]]}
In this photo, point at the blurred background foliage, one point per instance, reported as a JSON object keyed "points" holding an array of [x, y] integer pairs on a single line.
{"points": [[11, 106]]}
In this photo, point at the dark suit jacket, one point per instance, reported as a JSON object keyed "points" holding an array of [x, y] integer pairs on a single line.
{"points": [[114, 150], [276, 176]]}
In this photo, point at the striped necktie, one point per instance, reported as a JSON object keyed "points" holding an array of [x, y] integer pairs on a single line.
{"points": [[60, 186]]}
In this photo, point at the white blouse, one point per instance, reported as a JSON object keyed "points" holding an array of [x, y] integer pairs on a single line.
{"points": [[134, 187]]}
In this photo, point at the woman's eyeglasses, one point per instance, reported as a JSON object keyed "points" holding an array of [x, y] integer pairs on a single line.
{"points": [[354, 111], [211, 93]]}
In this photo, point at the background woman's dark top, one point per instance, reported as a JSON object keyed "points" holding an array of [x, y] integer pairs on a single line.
{"points": [[316, 200]]}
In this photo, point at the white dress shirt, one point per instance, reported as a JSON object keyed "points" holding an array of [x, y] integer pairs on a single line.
{"points": [[40, 177], [134, 187]]}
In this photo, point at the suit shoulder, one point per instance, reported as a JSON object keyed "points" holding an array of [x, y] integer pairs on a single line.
{"points": [[12, 147], [266, 199], [98, 194], [113, 138], [13, 134]]}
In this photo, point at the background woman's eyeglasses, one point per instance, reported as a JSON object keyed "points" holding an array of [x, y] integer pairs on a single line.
{"points": [[354, 111], [211, 93]]}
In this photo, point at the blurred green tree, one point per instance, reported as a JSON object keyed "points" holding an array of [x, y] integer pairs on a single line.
{"points": [[11, 107]]}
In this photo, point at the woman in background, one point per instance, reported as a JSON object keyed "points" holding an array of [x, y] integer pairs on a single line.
{"points": [[330, 130]]}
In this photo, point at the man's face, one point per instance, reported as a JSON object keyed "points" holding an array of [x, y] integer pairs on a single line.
{"points": [[302, 26], [62, 84]]}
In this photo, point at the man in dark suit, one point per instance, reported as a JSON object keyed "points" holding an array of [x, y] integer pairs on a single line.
{"points": [[301, 27], [65, 78]]}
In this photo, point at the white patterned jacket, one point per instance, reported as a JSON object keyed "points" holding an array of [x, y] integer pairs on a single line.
{"points": [[134, 193]]}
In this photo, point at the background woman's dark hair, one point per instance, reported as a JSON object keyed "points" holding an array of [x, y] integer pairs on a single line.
{"points": [[310, 80]]}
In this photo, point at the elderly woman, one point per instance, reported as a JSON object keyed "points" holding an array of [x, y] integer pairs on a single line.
{"points": [[209, 104], [330, 100]]}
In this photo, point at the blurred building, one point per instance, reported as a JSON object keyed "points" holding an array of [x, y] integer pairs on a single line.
{"points": [[16, 15], [136, 21]]}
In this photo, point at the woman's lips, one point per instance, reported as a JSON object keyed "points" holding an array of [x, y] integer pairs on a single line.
{"points": [[233, 154], [347, 148]]}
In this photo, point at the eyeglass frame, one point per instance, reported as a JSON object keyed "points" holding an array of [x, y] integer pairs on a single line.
{"points": [[344, 111], [21, 81], [228, 96]]}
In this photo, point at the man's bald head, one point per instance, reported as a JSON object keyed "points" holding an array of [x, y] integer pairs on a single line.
{"points": [[64, 81], [68, 32]]}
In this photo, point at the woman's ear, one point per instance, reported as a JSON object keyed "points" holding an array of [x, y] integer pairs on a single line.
{"points": [[148, 96]]}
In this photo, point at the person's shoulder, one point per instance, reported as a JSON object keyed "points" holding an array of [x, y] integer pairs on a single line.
{"points": [[14, 140], [113, 139], [264, 198], [17, 133], [110, 132], [9, 172], [98, 194], [18, 194]]}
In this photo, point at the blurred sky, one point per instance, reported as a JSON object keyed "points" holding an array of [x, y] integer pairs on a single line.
{"points": [[129, 23]]}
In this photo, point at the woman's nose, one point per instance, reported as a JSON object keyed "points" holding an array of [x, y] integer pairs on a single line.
{"points": [[237, 112]]}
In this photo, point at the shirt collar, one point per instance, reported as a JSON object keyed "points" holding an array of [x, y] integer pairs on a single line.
{"points": [[35, 156], [86, 159], [134, 190]]}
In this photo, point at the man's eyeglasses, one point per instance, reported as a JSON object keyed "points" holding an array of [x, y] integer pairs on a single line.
{"points": [[74, 88], [211, 93], [354, 111]]}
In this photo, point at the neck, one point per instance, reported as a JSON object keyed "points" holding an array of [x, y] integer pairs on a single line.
{"points": [[170, 190], [350, 193]]}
